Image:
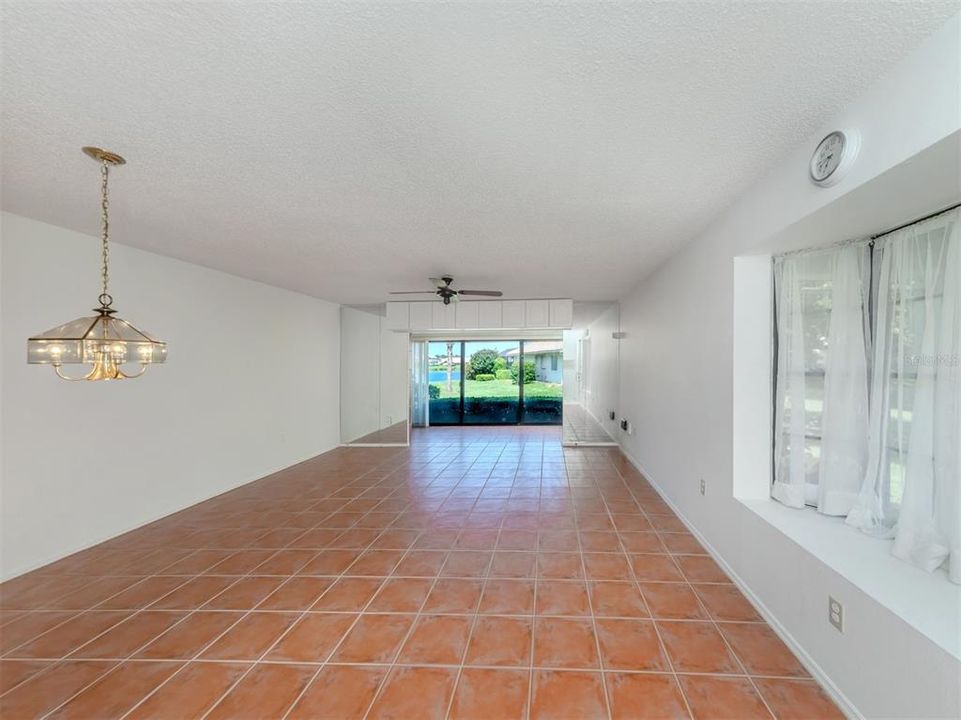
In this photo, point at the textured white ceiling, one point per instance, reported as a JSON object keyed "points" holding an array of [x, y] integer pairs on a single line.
{"points": [[347, 149]]}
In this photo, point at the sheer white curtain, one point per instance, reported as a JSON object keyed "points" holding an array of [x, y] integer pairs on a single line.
{"points": [[821, 415], [844, 424], [795, 457], [912, 487]]}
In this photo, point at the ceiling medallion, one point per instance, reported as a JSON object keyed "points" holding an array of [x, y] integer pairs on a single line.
{"points": [[102, 341]]}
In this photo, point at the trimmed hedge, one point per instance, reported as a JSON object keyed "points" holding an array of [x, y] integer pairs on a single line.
{"points": [[502, 373], [484, 377]]}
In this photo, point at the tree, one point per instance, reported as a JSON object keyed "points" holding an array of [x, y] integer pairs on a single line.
{"points": [[483, 362], [450, 362], [530, 372]]}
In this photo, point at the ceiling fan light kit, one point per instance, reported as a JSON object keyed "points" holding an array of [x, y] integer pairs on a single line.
{"points": [[103, 341], [448, 294]]}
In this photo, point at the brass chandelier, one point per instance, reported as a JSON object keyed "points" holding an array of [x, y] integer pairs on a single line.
{"points": [[102, 341]]}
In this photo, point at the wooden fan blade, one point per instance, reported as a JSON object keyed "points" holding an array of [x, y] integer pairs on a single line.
{"points": [[488, 293], [414, 292]]}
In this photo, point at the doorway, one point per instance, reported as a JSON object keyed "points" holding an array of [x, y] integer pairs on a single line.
{"points": [[493, 382]]}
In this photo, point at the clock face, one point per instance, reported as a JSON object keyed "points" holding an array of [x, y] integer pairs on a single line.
{"points": [[828, 156]]}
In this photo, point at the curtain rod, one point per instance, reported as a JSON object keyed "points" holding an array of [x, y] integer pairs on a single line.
{"points": [[915, 222], [868, 239]]}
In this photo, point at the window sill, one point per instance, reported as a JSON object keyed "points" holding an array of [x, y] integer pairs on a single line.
{"points": [[928, 602]]}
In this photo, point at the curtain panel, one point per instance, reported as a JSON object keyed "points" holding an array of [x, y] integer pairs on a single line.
{"points": [[821, 386], [912, 488], [868, 404]]}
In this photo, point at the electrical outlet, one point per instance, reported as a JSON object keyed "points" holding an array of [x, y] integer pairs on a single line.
{"points": [[390, 420], [703, 487], [836, 614]]}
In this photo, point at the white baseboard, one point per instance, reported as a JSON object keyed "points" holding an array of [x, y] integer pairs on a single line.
{"points": [[822, 678], [372, 445]]}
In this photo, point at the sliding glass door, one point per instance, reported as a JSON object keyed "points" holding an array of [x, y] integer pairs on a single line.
{"points": [[495, 382], [444, 372], [543, 378], [491, 395]]}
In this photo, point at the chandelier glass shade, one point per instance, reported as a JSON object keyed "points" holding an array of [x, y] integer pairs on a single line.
{"points": [[104, 343]]}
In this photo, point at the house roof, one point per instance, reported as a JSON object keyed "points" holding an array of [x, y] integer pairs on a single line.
{"points": [[537, 347]]}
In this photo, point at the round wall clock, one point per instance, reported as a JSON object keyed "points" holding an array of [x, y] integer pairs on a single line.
{"points": [[833, 157]]}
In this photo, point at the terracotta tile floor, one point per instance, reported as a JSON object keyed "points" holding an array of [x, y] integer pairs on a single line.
{"points": [[482, 573]]}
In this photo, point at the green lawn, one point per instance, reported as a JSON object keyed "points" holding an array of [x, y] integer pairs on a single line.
{"points": [[499, 389]]}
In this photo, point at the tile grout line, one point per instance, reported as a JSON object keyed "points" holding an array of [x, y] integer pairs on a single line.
{"points": [[537, 580], [657, 632], [714, 624], [417, 616], [474, 618], [133, 613], [590, 605], [84, 611], [196, 657], [306, 612], [388, 490], [56, 661], [387, 673], [730, 648], [530, 675], [525, 667], [244, 615], [114, 669]]}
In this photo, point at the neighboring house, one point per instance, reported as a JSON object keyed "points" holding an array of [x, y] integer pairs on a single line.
{"points": [[547, 356]]}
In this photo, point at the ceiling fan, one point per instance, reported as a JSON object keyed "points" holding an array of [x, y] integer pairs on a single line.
{"points": [[446, 292]]}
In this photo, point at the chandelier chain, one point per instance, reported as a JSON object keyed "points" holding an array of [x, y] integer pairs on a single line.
{"points": [[105, 229]]}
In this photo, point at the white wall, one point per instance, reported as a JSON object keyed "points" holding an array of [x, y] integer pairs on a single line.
{"points": [[374, 367], [676, 388], [250, 387], [359, 373], [601, 370], [394, 375], [571, 381]]}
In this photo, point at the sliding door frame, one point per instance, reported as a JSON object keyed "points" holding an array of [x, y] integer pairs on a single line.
{"points": [[520, 383], [463, 379]]}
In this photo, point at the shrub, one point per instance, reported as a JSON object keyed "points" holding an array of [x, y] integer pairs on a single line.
{"points": [[433, 392], [500, 364], [502, 373], [484, 377], [482, 363], [530, 374]]}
